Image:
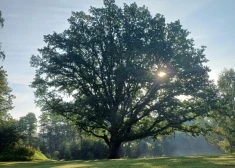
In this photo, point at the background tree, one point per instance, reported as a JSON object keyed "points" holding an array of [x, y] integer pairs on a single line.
{"points": [[1, 19], [108, 62], [11, 148], [27, 125], [5, 91], [225, 115], [55, 131], [2, 55], [9, 135], [58, 136]]}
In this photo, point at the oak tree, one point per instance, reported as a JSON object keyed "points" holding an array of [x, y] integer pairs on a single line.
{"points": [[122, 74]]}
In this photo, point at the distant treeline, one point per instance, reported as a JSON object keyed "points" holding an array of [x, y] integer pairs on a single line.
{"points": [[58, 139]]}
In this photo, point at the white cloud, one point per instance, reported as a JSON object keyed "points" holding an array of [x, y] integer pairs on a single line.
{"points": [[20, 79]]}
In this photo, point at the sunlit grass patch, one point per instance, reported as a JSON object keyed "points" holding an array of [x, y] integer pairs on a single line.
{"points": [[39, 156]]}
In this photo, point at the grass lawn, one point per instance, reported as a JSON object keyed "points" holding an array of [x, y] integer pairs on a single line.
{"points": [[223, 161]]}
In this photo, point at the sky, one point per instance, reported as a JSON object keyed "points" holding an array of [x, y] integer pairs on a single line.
{"points": [[211, 23]]}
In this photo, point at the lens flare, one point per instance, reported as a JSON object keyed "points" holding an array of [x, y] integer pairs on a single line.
{"points": [[161, 74]]}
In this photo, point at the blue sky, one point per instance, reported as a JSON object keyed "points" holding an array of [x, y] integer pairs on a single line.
{"points": [[211, 23]]}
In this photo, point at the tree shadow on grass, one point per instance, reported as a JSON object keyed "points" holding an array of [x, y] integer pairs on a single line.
{"points": [[217, 161]]}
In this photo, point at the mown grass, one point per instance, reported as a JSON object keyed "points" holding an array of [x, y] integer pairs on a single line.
{"points": [[218, 161]]}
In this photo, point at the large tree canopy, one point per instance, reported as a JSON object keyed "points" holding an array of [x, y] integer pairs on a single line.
{"points": [[120, 73]]}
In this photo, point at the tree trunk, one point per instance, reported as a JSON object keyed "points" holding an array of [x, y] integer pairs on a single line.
{"points": [[114, 150]]}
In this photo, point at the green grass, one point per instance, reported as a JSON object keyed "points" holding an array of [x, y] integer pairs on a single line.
{"points": [[39, 156], [217, 161]]}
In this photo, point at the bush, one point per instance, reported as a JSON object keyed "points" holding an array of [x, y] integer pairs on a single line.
{"points": [[56, 154], [88, 149], [75, 149], [18, 153], [64, 152], [24, 150], [93, 149], [9, 135]]}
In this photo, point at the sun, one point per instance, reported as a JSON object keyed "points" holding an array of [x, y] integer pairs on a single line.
{"points": [[161, 74]]}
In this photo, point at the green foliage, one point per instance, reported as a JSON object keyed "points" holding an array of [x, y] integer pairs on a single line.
{"points": [[18, 153], [23, 150], [147, 147], [56, 154], [59, 140], [107, 64], [5, 94], [9, 135], [10, 149], [225, 115], [55, 132], [78, 146], [93, 149], [2, 55], [27, 126]]}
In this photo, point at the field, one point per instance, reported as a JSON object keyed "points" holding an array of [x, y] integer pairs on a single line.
{"points": [[217, 161]]}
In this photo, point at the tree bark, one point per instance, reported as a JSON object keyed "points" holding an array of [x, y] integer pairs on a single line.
{"points": [[114, 147]]}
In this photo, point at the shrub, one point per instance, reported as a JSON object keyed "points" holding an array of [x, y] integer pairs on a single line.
{"points": [[56, 154], [18, 153], [24, 150]]}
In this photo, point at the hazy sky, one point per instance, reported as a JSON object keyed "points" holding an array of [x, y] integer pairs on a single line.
{"points": [[211, 23]]}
